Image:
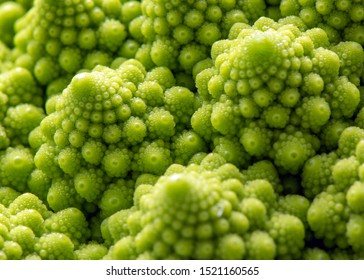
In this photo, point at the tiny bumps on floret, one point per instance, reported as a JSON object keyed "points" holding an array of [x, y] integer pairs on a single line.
{"points": [[345, 98], [327, 217], [331, 132], [25, 237], [62, 194], [16, 165], [262, 190], [28, 201], [348, 141], [45, 160], [178, 190], [21, 120], [55, 246], [66, 36], [186, 30], [245, 228], [296, 205], [256, 212], [256, 139], [8, 195], [354, 231], [164, 52], [231, 150], [345, 173], [20, 87], [291, 151], [71, 222], [275, 86], [117, 196], [355, 197], [109, 123], [180, 102], [264, 170], [315, 254], [89, 183], [260, 246], [154, 158], [288, 232], [91, 251], [151, 91], [225, 118], [160, 124], [11, 250], [200, 121], [314, 112], [343, 17], [117, 226], [114, 29], [39, 183], [317, 173], [351, 60], [212, 161], [185, 145], [30, 218]]}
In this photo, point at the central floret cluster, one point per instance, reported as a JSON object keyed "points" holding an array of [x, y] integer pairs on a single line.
{"points": [[169, 129], [273, 85]]}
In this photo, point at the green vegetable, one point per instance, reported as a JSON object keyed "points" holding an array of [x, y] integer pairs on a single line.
{"points": [[167, 129]]}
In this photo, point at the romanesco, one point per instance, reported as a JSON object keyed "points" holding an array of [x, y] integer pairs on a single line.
{"points": [[168, 129]]}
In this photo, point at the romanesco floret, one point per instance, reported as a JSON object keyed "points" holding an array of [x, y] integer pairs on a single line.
{"points": [[288, 232], [260, 246], [64, 37], [168, 129], [351, 60], [11, 250], [315, 254], [71, 222], [93, 135], [54, 246], [343, 16], [91, 251], [355, 197], [335, 214], [25, 237], [348, 141], [178, 34], [187, 144], [10, 12], [20, 87], [263, 170], [211, 215], [296, 205], [118, 195], [20, 121], [331, 132], [261, 88], [39, 184], [16, 165], [230, 149], [7, 195], [317, 174], [62, 194], [327, 217], [28, 230]]}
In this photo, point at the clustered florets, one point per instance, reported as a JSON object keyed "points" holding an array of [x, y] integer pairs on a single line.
{"points": [[168, 129]]}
